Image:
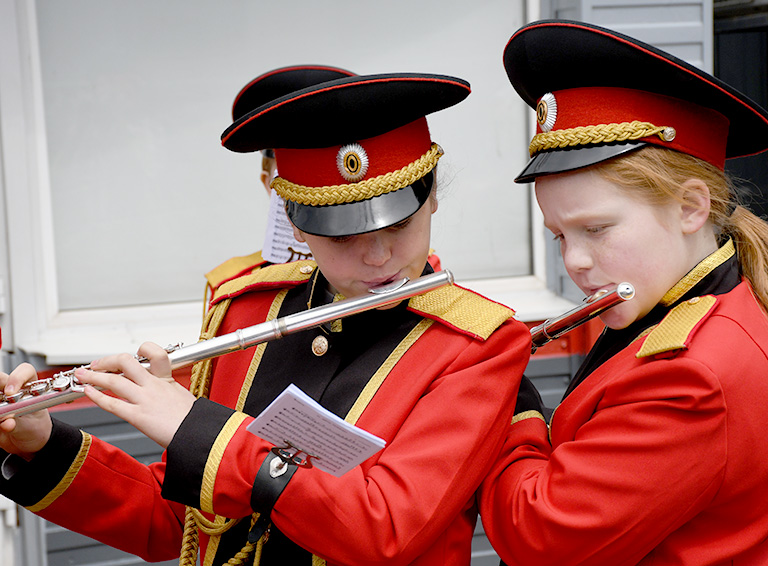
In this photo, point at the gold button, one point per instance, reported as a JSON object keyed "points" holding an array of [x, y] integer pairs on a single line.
{"points": [[319, 345], [305, 269], [694, 300], [668, 134]]}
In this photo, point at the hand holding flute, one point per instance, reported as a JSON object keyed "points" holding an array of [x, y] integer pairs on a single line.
{"points": [[26, 437], [148, 399]]}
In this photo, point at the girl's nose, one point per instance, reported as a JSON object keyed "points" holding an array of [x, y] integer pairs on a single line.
{"points": [[576, 258], [375, 249]]}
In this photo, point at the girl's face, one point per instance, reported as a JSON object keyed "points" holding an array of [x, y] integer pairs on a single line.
{"points": [[608, 236], [354, 264]]}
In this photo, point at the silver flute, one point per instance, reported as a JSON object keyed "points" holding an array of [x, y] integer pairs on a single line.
{"points": [[64, 387], [591, 307]]}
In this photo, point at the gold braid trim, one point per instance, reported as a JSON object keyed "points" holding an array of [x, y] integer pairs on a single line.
{"points": [[205, 298], [190, 542], [378, 378], [274, 310], [293, 272], [214, 460], [698, 273], [240, 558], [525, 415], [355, 192], [599, 134], [201, 371], [68, 478]]}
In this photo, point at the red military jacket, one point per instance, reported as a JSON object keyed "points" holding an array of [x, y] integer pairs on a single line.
{"points": [[657, 457], [441, 398]]}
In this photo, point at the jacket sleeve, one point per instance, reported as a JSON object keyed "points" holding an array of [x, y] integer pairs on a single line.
{"points": [[443, 411], [90, 487], [650, 455]]}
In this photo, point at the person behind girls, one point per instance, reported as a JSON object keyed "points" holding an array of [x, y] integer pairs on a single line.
{"points": [[656, 454], [279, 244], [435, 376]]}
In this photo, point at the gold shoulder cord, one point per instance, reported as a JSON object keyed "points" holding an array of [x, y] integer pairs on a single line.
{"points": [[194, 520]]}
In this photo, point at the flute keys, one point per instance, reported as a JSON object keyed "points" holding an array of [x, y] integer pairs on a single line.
{"points": [[18, 396], [61, 382], [37, 388]]}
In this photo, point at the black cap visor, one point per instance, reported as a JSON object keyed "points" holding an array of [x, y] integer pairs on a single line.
{"points": [[342, 111], [562, 160], [363, 216]]}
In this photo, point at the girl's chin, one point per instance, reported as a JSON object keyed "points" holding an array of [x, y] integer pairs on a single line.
{"points": [[615, 321]]}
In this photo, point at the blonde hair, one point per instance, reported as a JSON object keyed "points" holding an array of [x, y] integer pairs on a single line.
{"points": [[660, 173]]}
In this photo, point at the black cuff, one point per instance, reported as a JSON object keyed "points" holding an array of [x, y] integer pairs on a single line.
{"points": [[272, 478], [187, 454], [29, 482]]}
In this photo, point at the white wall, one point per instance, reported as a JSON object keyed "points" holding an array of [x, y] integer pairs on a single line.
{"points": [[136, 94]]}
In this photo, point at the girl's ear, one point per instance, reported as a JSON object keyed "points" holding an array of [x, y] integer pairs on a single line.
{"points": [[695, 205], [298, 234]]}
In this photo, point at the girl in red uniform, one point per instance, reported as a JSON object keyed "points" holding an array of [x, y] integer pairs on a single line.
{"points": [[656, 454], [436, 376]]}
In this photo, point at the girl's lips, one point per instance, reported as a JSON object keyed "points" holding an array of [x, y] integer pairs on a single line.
{"points": [[380, 281], [594, 290]]}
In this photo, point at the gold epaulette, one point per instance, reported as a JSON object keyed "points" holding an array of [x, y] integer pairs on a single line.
{"points": [[676, 329], [271, 276], [462, 309], [232, 268]]}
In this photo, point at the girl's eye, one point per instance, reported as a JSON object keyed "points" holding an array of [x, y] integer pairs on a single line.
{"points": [[340, 239], [401, 225], [595, 229]]}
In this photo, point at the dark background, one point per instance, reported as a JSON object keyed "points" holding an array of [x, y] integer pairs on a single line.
{"points": [[741, 60]]}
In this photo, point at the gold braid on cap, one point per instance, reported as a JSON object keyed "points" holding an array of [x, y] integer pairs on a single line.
{"points": [[355, 192], [602, 133]]}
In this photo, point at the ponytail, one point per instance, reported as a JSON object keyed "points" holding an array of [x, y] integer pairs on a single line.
{"points": [[750, 236]]}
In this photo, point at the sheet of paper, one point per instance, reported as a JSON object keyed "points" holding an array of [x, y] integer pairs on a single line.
{"points": [[279, 244], [335, 445]]}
